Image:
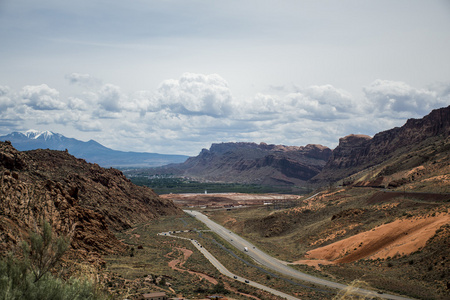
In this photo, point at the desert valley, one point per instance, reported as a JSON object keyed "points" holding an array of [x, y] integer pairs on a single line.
{"points": [[366, 220]]}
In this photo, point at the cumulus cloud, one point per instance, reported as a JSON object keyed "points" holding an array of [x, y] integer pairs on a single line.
{"points": [[5, 98], [263, 104], [187, 114], [390, 97], [41, 97], [324, 103], [110, 98], [196, 94], [142, 101], [4, 90], [88, 125], [76, 103], [338, 99], [442, 90]]}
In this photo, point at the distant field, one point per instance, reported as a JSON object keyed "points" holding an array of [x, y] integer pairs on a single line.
{"points": [[181, 185]]}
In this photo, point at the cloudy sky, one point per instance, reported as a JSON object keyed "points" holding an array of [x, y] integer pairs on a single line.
{"points": [[174, 76]]}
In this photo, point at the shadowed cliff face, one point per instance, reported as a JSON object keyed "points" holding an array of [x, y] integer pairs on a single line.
{"points": [[357, 152], [252, 163], [72, 195], [257, 163]]}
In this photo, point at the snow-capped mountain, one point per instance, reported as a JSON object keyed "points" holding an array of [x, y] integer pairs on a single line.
{"points": [[46, 135], [91, 151]]}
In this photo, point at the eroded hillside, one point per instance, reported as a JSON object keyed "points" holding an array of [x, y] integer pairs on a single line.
{"points": [[73, 196], [252, 163], [356, 153]]}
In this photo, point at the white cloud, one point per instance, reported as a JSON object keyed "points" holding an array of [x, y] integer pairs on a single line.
{"points": [[142, 101], [110, 98], [5, 98], [41, 97], [391, 97], [339, 99], [196, 94], [88, 125], [262, 104], [189, 113], [76, 103]]}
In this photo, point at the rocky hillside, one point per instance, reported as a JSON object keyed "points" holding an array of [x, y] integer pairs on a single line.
{"points": [[253, 163], [73, 196], [358, 152]]}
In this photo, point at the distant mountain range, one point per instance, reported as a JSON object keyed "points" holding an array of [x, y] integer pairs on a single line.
{"points": [[91, 151], [400, 148], [250, 163]]}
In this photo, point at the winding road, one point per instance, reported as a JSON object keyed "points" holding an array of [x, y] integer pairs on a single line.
{"points": [[271, 262], [222, 269]]}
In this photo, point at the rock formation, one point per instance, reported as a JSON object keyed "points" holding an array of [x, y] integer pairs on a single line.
{"points": [[73, 196], [357, 152], [253, 163]]}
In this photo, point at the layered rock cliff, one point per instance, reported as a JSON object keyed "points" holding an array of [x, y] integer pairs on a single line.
{"points": [[73, 196], [357, 152], [254, 163]]}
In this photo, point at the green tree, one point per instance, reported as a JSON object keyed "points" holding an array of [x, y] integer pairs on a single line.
{"points": [[30, 278], [44, 251]]}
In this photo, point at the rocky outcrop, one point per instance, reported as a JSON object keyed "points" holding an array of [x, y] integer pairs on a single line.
{"points": [[357, 152], [74, 196], [254, 163]]}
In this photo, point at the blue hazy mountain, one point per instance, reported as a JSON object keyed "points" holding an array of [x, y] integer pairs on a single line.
{"points": [[91, 151]]}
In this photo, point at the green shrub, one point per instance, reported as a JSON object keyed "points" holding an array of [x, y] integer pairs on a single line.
{"points": [[16, 282], [44, 251], [30, 278]]}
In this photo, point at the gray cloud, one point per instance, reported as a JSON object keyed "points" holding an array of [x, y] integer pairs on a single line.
{"points": [[84, 80]]}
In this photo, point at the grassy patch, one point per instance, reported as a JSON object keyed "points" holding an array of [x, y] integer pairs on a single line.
{"points": [[166, 185]]}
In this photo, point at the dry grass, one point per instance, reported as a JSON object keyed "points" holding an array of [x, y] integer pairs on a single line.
{"points": [[422, 274], [351, 292]]}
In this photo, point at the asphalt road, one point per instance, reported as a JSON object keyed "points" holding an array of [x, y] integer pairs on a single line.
{"points": [[273, 263], [221, 268]]}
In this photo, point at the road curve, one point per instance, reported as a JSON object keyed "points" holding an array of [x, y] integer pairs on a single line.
{"points": [[273, 263], [222, 269]]}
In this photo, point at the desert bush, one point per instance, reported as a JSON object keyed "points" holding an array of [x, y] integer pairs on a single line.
{"points": [[31, 279], [17, 282], [44, 251]]}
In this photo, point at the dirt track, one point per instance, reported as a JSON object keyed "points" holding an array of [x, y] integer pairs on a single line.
{"points": [[186, 254]]}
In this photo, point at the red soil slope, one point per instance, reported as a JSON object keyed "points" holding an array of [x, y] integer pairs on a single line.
{"points": [[400, 237]]}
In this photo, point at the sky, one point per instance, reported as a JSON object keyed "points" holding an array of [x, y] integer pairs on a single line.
{"points": [[175, 76]]}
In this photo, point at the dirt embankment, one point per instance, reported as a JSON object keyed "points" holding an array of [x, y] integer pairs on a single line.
{"points": [[400, 237]]}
